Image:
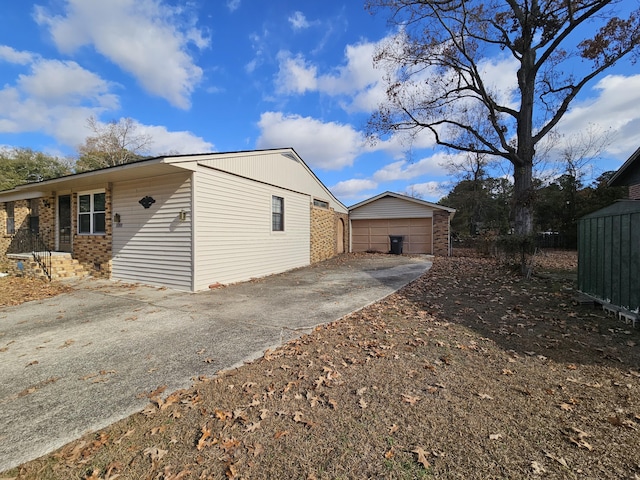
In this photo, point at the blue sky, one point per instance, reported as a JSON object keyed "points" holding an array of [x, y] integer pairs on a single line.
{"points": [[227, 75]]}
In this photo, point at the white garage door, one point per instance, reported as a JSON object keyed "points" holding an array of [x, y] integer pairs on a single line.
{"points": [[373, 235]]}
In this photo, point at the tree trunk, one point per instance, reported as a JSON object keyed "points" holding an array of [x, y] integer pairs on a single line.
{"points": [[523, 199]]}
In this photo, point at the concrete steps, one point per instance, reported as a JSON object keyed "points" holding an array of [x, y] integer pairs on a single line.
{"points": [[62, 266]]}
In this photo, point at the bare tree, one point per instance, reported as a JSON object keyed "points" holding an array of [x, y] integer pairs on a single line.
{"points": [[111, 144], [437, 73]]}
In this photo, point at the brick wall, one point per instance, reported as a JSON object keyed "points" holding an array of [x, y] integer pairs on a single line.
{"points": [[21, 222], [324, 233], [441, 233], [634, 192], [94, 252]]}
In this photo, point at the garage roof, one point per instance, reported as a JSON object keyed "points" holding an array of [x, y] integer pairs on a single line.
{"points": [[402, 197]]}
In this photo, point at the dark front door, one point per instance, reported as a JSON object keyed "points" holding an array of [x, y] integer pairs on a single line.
{"points": [[64, 223]]}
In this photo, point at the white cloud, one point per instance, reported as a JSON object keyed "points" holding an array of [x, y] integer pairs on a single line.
{"points": [[233, 5], [407, 170], [55, 81], [614, 108], [165, 141], [353, 188], [56, 98], [295, 75], [146, 38], [9, 54], [298, 21], [329, 146], [430, 191], [357, 81]]}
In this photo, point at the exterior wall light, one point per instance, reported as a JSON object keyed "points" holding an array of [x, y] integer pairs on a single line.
{"points": [[183, 215]]}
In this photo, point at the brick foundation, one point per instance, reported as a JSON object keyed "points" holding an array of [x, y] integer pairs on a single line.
{"points": [[325, 226]]}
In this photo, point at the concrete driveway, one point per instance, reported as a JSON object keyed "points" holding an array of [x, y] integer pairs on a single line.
{"points": [[80, 361]]}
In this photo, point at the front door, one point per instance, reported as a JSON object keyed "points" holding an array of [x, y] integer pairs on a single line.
{"points": [[64, 223]]}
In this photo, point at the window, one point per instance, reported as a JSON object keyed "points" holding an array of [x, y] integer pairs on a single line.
{"points": [[277, 214], [320, 203], [91, 213], [11, 220]]}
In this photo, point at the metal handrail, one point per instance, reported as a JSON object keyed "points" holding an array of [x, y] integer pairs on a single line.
{"points": [[26, 241]]}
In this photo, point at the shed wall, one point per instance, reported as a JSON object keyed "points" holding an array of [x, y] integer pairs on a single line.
{"points": [[390, 207], [609, 258], [233, 237], [152, 245]]}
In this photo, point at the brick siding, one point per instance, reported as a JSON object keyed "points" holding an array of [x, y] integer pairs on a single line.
{"points": [[441, 233], [324, 233], [634, 192], [94, 252]]}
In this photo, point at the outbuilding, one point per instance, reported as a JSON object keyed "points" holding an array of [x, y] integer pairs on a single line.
{"points": [[424, 227], [609, 246]]}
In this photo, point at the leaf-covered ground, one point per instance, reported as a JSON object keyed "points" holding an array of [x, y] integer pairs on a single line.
{"points": [[17, 290], [468, 372]]}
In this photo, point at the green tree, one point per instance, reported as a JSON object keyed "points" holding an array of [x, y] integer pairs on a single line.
{"points": [[113, 143], [481, 204], [436, 73], [24, 165]]}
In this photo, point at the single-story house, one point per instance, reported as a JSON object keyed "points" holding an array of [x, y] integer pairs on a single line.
{"points": [[182, 221], [423, 226], [609, 246]]}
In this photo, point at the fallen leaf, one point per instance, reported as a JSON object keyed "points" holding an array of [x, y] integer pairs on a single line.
{"points": [[281, 433], [390, 453], [362, 403], [206, 433], [537, 468], [223, 414], [232, 471], [422, 457], [393, 429], [229, 444], [253, 427], [154, 453], [484, 396], [410, 399], [256, 449], [128, 433], [495, 436], [560, 460]]}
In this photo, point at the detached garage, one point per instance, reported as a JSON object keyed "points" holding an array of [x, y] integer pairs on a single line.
{"points": [[423, 225]]}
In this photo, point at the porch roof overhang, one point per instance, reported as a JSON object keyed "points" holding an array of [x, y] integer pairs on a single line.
{"points": [[131, 171]]}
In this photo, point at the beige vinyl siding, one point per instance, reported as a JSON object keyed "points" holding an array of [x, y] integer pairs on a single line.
{"points": [[275, 168], [233, 237], [390, 207], [152, 245]]}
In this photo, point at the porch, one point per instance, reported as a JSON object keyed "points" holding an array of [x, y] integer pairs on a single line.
{"points": [[51, 265], [28, 254]]}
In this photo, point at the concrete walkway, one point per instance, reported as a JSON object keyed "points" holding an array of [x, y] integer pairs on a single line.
{"points": [[79, 361]]}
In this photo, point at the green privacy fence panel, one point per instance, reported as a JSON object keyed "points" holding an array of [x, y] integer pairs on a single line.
{"points": [[609, 254]]}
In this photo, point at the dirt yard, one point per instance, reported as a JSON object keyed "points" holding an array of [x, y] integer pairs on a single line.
{"points": [[469, 372]]}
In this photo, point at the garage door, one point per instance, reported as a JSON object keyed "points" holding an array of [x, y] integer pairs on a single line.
{"points": [[373, 235]]}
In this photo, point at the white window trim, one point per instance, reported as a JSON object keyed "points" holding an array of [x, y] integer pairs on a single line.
{"points": [[91, 212], [278, 232]]}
